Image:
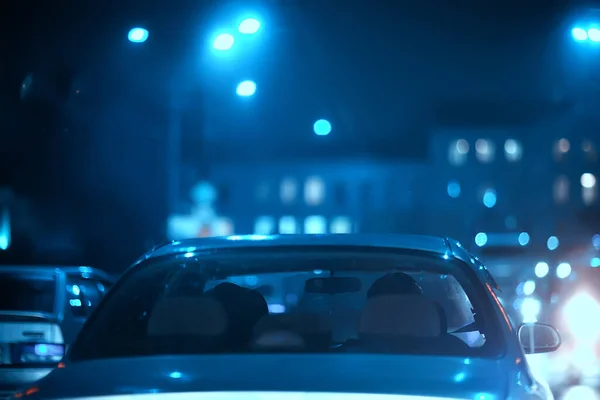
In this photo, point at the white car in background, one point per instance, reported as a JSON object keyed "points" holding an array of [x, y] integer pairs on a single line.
{"points": [[42, 309], [363, 317]]}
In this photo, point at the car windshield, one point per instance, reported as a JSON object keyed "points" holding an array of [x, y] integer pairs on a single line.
{"points": [[30, 292], [313, 301]]}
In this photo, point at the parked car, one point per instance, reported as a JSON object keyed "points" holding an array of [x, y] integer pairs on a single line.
{"points": [[42, 309], [362, 317]]}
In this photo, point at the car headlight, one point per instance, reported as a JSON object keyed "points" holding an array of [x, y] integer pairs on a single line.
{"points": [[579, 314]]}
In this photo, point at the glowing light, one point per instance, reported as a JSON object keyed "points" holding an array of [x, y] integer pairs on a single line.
{"points": [[530, 309], [246, 89], [481, 239], [594, 34], [563, 270], [588, 180], [223, 42], [552, 243], [579, 314], [541, 269], [138, 35], [524, 238], [489, 198], [453, 189], [322, 127], [579, 34], [249, 26], [528, 288]]}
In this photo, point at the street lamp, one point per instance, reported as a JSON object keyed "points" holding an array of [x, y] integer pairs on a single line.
{"points": [[249, 26], [580, 34], [246, 88], [138, 35], [223, 42], [322, 127]]}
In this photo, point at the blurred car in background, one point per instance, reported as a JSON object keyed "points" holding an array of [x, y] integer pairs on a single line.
{"points": [[42, 309], [349, 316], [576, 313]]}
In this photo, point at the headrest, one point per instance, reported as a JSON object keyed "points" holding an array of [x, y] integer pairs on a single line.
{"points": [[410, 315], [301, 323], [397, 283], [188, 316]]}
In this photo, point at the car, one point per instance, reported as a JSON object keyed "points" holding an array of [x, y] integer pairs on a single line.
{"points": [[42, 309], [576, 303], [389, 317]]}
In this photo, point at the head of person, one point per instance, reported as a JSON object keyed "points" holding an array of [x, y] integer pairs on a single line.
{"points": [[395, 283]]}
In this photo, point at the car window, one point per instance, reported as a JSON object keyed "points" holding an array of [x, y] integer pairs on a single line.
{"points": [[322, 302], [83, 294], [31, 292]]}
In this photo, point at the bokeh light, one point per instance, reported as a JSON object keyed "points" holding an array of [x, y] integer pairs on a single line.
{"points": [[138, 35], [246, 88]]}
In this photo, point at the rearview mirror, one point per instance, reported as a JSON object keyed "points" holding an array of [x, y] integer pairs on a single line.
{"points": [[332, 285], [538, 338]]}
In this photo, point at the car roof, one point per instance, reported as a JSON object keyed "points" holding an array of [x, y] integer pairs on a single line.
{"points": [[432, 244], [53, 269]]}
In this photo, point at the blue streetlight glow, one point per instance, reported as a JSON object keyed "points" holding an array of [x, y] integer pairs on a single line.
{"points": [[138, 35], [249, 26], [223, 42], [246, 89], [322, 127], [580, 34]]}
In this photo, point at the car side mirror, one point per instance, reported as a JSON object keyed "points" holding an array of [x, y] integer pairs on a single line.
{"points": [[538, 338]]}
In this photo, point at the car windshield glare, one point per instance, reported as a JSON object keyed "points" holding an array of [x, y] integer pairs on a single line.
{"points": [[316, 300]]}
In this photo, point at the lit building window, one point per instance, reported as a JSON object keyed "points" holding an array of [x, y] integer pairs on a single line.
{"points": [[315, 224], [453, 189], [314, 191], [561, 148], [224, 227], [588, 188], [489, 198], [288, 190], [484, 150], [589, 150], [264, 225], [513, 150], [561, 189], [458, 151], [589, 195], [588, 180], [341, 225], [287, 225]]}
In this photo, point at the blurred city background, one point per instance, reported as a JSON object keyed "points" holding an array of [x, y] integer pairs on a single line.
{"points": [[126, 124]]}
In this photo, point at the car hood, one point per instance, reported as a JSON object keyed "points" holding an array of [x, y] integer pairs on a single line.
{"points": [[447, 377]]}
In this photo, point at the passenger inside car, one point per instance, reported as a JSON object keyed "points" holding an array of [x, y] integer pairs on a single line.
{"points": [[343, 311], [244, 308], [397, 317]]}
